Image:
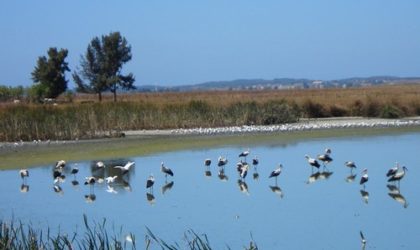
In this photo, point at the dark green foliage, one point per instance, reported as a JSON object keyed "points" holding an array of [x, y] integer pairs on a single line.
{"points": [[11, 93], [50, 73], [314, 110], [390, 111], [372, 108], [102, 65], [277, 112], [357, 108], [337, 111]]}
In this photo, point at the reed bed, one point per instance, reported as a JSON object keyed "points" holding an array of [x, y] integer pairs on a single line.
{"points": [[96, 236], [84, 118]]}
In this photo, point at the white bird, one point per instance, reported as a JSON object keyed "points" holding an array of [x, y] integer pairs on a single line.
{"points": [[100, 164], [363, 240], [60, 164], [244, 153], [23, 173], [312, 161], [150, 181], [244, 171], [398, 175], [167, 171], [393, 170], [350, 164], [364, 177], [222, 161], [126, 167], [325, 158], [111, 179], [276, 172]]}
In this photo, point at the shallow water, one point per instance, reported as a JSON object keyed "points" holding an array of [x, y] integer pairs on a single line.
{"points": [[305, 210]]}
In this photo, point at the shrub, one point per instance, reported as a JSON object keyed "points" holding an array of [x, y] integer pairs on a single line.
{"points": [[390, 112]]}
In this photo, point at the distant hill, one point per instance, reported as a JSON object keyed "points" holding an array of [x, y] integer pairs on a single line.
{"points": [[281, 83]]}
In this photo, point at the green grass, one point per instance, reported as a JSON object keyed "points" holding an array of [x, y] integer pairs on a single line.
{"points": [[96, 236]]}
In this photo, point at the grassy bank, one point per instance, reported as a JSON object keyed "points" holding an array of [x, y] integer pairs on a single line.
{"points": [[85, 150], [83, 119]]}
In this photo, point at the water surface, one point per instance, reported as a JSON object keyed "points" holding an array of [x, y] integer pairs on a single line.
{"points": [[304, 209]]}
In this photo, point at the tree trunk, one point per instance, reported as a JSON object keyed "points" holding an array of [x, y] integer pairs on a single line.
{"points": [[100, 96], [115, 95]]}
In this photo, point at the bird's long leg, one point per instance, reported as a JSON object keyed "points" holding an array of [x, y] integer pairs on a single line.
{"points": [[276, 181]]}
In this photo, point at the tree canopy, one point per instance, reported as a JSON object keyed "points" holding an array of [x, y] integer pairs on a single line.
{"points": [[49, 73], [101, 66]]}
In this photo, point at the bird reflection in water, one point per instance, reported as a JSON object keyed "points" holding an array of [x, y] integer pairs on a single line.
{"points": [[395, 194], [24, 188], [167, 187], [324, 175], [207, 163], [150, 198], [222, 176], [277, 190], [57, 188], [207, 173], [365, 195], [243, 186], [89, 198], [351, 178]]}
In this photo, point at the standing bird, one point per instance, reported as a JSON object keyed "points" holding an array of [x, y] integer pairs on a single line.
{"points": [[350, 164], [207, 162], [150, 181], [364, 177], [24, 173], [325, 158], [244, 154], [276, 172], [222, 161], [244, 171], [126, 167], [74, 171], [100, 165], [312, 161], [60, 164], [398, 175], [392, 171], [167, 171], [255, 161]]}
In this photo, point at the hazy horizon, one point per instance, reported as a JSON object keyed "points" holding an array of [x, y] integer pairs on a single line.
{"points": [[186, 42]]}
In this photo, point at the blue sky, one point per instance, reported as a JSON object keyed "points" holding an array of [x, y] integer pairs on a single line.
{"points": [[187, 41]]}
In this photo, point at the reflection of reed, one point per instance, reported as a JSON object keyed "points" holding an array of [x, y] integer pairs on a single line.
{"points": [[277, 190], [365, 195], [167, 187], [395, 194]]}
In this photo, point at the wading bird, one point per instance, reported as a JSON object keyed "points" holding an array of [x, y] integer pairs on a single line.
{"points": [[126, 168], [244, 154], [100, 165], [90, 180], [363, 240], [74, 171], [364, 177], [393, 170], [350, 164], [150, 181], [312, 161], [207, 162], [398, 175], [222, 161], [24, 173], [325, 158], [255, 161], [244, 171], [60, 164], [167, 171]]}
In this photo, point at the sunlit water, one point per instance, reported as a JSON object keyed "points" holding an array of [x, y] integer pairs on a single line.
{"points": [[324, 211]]}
